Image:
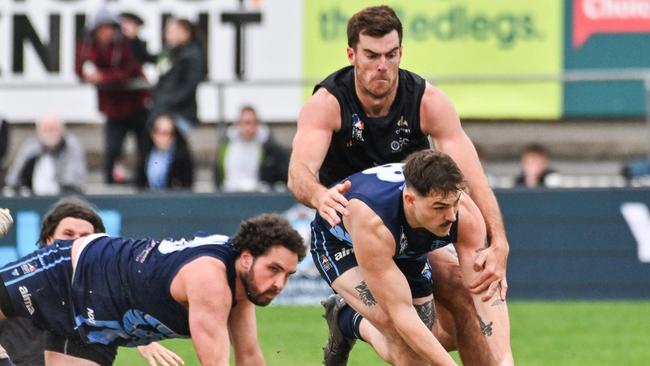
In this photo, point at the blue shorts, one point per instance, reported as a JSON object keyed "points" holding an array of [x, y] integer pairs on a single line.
{"points": [[38, 287], [333, 257]]}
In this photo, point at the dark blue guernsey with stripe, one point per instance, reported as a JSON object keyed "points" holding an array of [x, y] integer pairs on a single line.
{"points": [[381, 189], [121, 287]]}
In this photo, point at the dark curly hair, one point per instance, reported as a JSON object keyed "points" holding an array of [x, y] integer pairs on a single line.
{"points": [[68, 207], [260, 233], [430, 171]]}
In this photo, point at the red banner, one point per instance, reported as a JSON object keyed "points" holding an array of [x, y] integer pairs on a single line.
{"points": [[609, 16]]}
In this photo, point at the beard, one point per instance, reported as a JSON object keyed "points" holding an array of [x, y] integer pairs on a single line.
{"points": [[253, 293]]}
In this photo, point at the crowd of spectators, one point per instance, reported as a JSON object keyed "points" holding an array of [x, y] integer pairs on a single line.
{"points": [[161, 115]]}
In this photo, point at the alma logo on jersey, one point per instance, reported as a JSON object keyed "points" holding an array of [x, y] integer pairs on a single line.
{"points": [[343, 253], [27, 299]]}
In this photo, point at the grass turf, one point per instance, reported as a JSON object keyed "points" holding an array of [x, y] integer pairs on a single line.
{"points": [[543, 333]]}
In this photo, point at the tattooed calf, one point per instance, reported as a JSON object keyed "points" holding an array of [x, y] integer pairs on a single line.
{"points": [[365, 295]]}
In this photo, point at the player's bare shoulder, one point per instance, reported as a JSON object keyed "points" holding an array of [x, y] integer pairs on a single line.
{"points": [[322, 110], [436, 110], [191, 278]]}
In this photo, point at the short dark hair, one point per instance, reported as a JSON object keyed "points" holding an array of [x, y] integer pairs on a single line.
{"points": [[374, 21], [535, 149], [260, 233], [430, 171], [68, 207], [187, 25]]}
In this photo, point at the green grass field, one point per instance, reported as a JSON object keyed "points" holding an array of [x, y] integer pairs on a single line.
{"points": [[543, 333]]}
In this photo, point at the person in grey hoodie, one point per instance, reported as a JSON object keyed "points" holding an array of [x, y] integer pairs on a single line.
{"points": [[50, 163], [235, 169]]}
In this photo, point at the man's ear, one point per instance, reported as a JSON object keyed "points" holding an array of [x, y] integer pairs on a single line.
{"points": [[409, 198], [351, 55], [246, 259]]}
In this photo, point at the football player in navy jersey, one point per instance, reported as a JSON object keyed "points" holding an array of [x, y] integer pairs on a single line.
{"points": [[123, 292], [376, 260], [372, 113], [69, 219]]}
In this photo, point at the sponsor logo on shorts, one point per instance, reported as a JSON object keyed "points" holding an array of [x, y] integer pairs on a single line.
{"points": [[27, 299], [343, 253], [91, 316], [325, 263]]}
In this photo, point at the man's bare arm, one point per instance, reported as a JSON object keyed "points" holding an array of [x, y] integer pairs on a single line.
{"points": [[440, 120], [318, 119], [243, 334], [374, 248], [209, 304]]}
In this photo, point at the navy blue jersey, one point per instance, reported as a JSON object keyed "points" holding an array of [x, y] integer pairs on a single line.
{"points": [[380, 188], [121, 287]]}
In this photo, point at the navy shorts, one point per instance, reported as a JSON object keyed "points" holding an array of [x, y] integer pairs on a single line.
{"points": [[333, 257]]}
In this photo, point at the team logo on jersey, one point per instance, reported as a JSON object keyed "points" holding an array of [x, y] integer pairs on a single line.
{"points": [[357, 128], [145, 252], [402, 127], [398, 144], [403, 243], [28, 268]]}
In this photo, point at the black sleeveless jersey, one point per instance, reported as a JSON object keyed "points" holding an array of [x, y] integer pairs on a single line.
{"points": [[363, 142]]}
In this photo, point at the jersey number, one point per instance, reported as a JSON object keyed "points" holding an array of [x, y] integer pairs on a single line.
{"points": [[388, 172]]}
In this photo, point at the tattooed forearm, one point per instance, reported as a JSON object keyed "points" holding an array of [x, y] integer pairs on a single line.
{"points": [[426, 313], [486, 328], [365, 295], [498, 302]]}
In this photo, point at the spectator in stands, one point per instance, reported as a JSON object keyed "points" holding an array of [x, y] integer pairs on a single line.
{"points": [[105, 60], [50, 163], [168, 163], [181, 69], [4, 144], [535, 170], [131, 24], [248, 158]]}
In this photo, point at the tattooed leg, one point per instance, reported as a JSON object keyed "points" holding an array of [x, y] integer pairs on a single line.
{"points": [[365, 295], [426, 313]]}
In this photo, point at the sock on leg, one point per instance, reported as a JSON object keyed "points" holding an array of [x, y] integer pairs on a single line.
{"points": [[348, 323]]}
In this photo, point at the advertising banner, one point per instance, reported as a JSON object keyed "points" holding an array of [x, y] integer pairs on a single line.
{"points": [[607, 35], [446, 39]]}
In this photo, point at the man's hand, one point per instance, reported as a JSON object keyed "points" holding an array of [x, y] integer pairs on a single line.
{"points": [[492, 262], [156, 354], [331, 202]]}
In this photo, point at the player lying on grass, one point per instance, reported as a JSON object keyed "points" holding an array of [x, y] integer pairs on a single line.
{"points": [[376, 260], [122, 292]]}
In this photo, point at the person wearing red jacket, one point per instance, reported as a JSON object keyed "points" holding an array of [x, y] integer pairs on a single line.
{"points": [[104, 58]]}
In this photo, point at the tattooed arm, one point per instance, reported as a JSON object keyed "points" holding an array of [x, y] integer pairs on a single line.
{"points": [[492, 311], [387, 287]]}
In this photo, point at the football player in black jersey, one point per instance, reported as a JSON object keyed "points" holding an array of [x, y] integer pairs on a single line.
{"points": [[362, 116]]}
